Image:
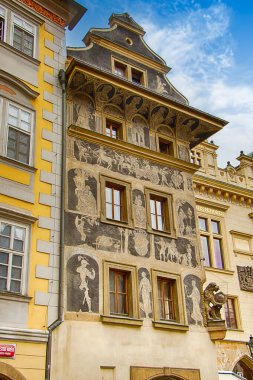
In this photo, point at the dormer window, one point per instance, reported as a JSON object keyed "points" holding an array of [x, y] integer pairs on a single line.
{"points": [[129, 72]]}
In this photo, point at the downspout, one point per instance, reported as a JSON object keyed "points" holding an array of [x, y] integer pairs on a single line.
{"points": [[59, 320]]}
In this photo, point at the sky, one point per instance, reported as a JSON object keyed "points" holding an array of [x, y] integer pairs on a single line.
{"points": [[208, 46]]}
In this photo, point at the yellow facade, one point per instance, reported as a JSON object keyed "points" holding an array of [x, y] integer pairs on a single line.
{"points": [[30, 177]]}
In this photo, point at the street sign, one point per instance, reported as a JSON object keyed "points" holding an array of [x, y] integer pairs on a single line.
{"points": [[8, 351]]}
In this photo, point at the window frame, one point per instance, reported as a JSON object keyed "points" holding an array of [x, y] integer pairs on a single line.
{"points": [[129, 68], [133, 302], [4, 113], [120, 127], [180, 321], [34, 34], [235, 302], [24, 254], [169, 213], [166, 140], [195, 156], [3, 15], [127, 206], [211, 235]]}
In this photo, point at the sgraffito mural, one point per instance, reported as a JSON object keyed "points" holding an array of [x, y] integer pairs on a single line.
{"points": [[145, 293], [139, 243], [82, 284], [139, 208], [193, 299], [178, 251], [186, 218]]}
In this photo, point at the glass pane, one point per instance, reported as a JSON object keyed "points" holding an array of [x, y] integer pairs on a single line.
{"points": [[3, 284], [5, 229], [152, 206], [117, 215], [202, 224], [218, 253], [205, 250], [159, 207], [108, 194], [19, 233], [122, 304], [4, 257], [15, 286], [112, 303], [161, 309], [17, 261], [160, 223], [5, 242], [114, 133], [111, 280], [3, 271], [23, 158], [215, 227], [25, 122], [121, 282], [16, 273], [153, 221], [108, 132], [116, 197], [108, 210]]}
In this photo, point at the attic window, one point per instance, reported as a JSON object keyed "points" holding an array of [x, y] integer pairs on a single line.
{"points": [[120, 69], [127, 71], [137, 76]]}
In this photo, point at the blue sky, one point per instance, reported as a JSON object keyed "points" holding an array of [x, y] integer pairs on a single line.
{"points": [[208, 45]]}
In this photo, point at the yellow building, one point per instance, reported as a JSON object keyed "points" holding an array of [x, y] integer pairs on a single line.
{"points": [[32, 51], [224, 200]]}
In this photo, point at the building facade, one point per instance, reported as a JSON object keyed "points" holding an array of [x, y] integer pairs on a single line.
{"points": [[32, 51], [224, 200], [133, 272]]}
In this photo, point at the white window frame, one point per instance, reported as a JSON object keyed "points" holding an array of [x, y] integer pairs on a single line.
{"points": [[3, 13], [24, 254], [24, 21]]}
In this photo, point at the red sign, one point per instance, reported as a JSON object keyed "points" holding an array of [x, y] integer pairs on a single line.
{"points": [[7, 351]]}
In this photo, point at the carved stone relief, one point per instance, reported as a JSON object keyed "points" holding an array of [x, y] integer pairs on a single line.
{"points": [[128, 165], [193, 299], [139, 243], [145, 293], [186, 219], [245, 275], [82, 284], [138, 134], [82, 192], [83, 113], [180, 251], [213, 301], [139, 208]]}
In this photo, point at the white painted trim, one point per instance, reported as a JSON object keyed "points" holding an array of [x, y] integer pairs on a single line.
{"points": [[23, 334]]}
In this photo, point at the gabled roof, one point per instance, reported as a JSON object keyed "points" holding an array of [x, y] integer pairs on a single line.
{"points": [[127, 21]]}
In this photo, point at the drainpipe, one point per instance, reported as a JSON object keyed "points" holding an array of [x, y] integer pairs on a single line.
{"points": [[59, 320]]}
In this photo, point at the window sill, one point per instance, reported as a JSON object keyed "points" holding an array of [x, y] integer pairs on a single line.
{"points": [[35, 61], [217, 270], [126, 224], [171, 235], [18, 164], [120, 320], [170, 325], [9, 296], [235, 330]]}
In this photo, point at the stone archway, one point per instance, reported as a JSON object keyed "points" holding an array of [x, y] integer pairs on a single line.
{"points": [[7, 372], [245, 367]]}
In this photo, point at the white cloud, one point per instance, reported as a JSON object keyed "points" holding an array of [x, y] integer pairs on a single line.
{"points": [[199, 48]]}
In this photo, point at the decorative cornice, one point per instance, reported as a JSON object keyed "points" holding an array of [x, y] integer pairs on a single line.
{"points": [[44, 12], [131, 149], [17, 215], [238, 233], [26, 335], [207, 203]]}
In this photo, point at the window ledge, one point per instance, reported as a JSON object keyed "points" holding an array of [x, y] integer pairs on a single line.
{"points": [[18, 164], [118, 319], [35, 61], [235, 330], [170, 325], [217, 270], [127, 224], [14, 297], [171, 235]]}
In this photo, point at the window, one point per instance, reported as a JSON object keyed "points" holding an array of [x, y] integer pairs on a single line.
{"points": [[160, 215], [19, 123], [116, 201], [13, 251], [166, 298], [113, 129], [168, 301], [211, 242], [120, 294], [230, 313], [19, 32], [127, 71], [166, 147], [196, 157]]}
